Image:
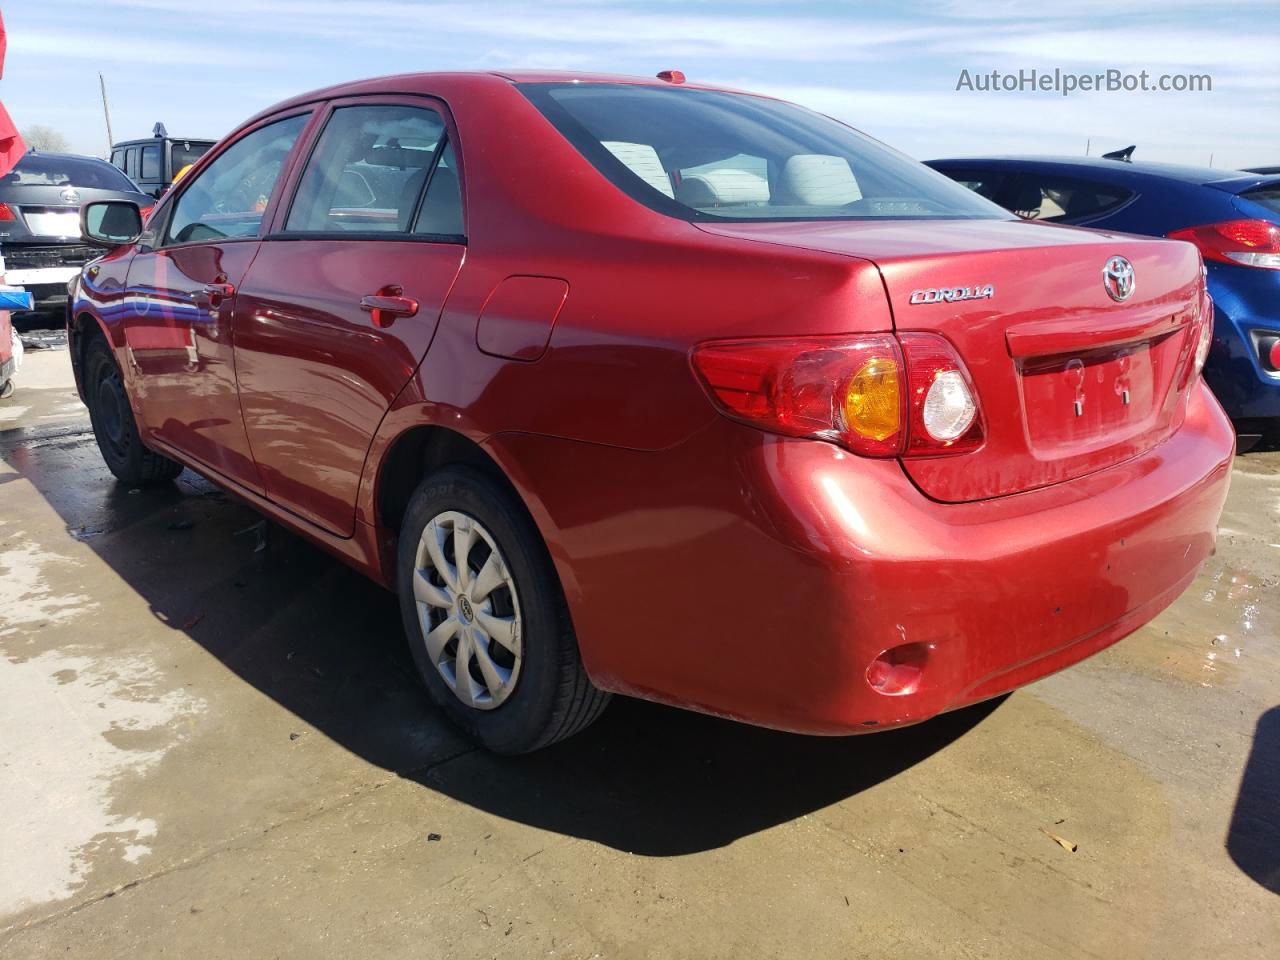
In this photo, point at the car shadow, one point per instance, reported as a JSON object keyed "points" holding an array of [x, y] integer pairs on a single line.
{"points": [[1253, 838], [327, 644]]}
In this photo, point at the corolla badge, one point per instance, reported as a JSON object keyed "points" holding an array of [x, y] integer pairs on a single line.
{"points": [[983, 291], [70, 195], [1118, 279]]}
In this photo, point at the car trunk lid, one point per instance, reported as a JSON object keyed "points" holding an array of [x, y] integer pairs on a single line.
{"points": [[1069, 379]]}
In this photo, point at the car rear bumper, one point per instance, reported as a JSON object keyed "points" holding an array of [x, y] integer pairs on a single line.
{"points": [[768, 597]]}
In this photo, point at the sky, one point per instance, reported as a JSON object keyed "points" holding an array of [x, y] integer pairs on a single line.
{"points": [[889, 69]]}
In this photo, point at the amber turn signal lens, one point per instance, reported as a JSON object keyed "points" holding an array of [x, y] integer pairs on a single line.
{"points": [[872, 401]]}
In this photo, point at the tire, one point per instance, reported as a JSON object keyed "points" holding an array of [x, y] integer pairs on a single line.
{"points": [[114, 426], [528, 691]]}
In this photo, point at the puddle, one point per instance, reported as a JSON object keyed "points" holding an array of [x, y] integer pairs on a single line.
{"points": [[86, 723]]}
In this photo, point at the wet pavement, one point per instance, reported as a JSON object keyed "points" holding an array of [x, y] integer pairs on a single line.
{"points": [[210, 750]]}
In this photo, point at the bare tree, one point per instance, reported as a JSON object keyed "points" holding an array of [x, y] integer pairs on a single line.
{"points": [[45, 138]]}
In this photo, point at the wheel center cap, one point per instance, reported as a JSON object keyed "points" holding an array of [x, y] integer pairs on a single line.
{"points": [[464, 608]]}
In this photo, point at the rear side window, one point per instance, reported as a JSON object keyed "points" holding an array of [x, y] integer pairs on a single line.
{"points": [[36, 170], [369, 170], [229, 197], [150, 163], [1064, 199], [131, 163], [117, 158]]}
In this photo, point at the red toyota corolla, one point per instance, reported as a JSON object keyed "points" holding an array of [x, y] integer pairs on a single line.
{"points": [[636, 386]]}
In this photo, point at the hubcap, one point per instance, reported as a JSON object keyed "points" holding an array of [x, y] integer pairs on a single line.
{"points": [[468, 609]]}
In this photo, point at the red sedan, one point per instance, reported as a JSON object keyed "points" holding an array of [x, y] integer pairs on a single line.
{"points": [[636, 386]]}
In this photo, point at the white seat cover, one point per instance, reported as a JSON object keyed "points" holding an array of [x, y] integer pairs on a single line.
{"points": [[723, 187]]}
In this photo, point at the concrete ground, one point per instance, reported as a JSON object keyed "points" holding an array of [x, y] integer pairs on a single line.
{"points": [[211, 751]]}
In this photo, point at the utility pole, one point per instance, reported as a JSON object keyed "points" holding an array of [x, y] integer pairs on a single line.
{"points": [[1087, 144], [107, 114]]}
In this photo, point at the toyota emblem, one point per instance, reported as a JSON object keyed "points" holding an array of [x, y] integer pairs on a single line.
{"points": [[1117, 277], [70, 195]]}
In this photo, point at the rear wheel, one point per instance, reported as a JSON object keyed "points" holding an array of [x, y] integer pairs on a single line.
{"points": [[486, 618], [114, 426]]}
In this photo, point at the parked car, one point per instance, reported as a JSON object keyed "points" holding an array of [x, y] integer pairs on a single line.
{"points": [[40, 202], [153, 163], [1232, 216], [695, 396]]}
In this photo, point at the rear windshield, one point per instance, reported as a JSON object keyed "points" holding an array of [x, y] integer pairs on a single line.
{"points": [[1267, 196], [37, 171], [705, 155], [184, 152]]}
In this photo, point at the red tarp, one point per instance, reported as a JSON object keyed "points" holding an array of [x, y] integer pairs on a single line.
{"points": [[11, 146]]}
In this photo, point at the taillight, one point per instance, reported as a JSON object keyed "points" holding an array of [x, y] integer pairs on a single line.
{"points": [[1251, 243], [1269, 351], [6, 213], [943, 403], [145, 212], [876, 394]]}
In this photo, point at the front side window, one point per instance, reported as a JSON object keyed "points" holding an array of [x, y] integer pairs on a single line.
{"points": [[1055, 198], [230, 196], [369, 169], [707, 155]]}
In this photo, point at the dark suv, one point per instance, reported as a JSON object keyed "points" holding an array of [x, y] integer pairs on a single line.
{"points": [[155, 162], [40, 202]]}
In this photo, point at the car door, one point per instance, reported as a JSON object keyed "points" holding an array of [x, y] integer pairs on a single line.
{"points": [[343, 298], [182, 299]]}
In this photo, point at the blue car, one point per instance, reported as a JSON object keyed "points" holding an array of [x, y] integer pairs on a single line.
{"points": [[1233, 216]]}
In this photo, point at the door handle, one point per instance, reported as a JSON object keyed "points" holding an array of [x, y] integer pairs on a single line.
{"points": [[217, 292], [387, 304]]}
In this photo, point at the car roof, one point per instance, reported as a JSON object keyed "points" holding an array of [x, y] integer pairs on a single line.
{"points": [[1183, 173], [129, 143], [423, 82]]}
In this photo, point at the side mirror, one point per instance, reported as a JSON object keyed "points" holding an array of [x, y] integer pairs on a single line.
{"points": [[110, 223]]}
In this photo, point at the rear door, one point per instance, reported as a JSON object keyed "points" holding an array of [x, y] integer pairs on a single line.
{"points": [[343, 298], [182, 298]]}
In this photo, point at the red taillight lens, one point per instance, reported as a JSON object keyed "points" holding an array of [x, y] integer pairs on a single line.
{"points": [[877, 395], [846, 389], [1250, 243], [6, 213]]}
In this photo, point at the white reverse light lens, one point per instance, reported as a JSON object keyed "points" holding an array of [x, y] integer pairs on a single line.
{"points": [[948, 407], [1206, 341]]}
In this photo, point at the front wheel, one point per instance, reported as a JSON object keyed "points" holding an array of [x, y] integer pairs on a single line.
{"points": [[114, 426], [486, 618]]}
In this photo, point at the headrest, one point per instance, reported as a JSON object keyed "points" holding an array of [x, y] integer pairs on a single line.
{"points": [[819, 180], [723, 187], [642, 160]]}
